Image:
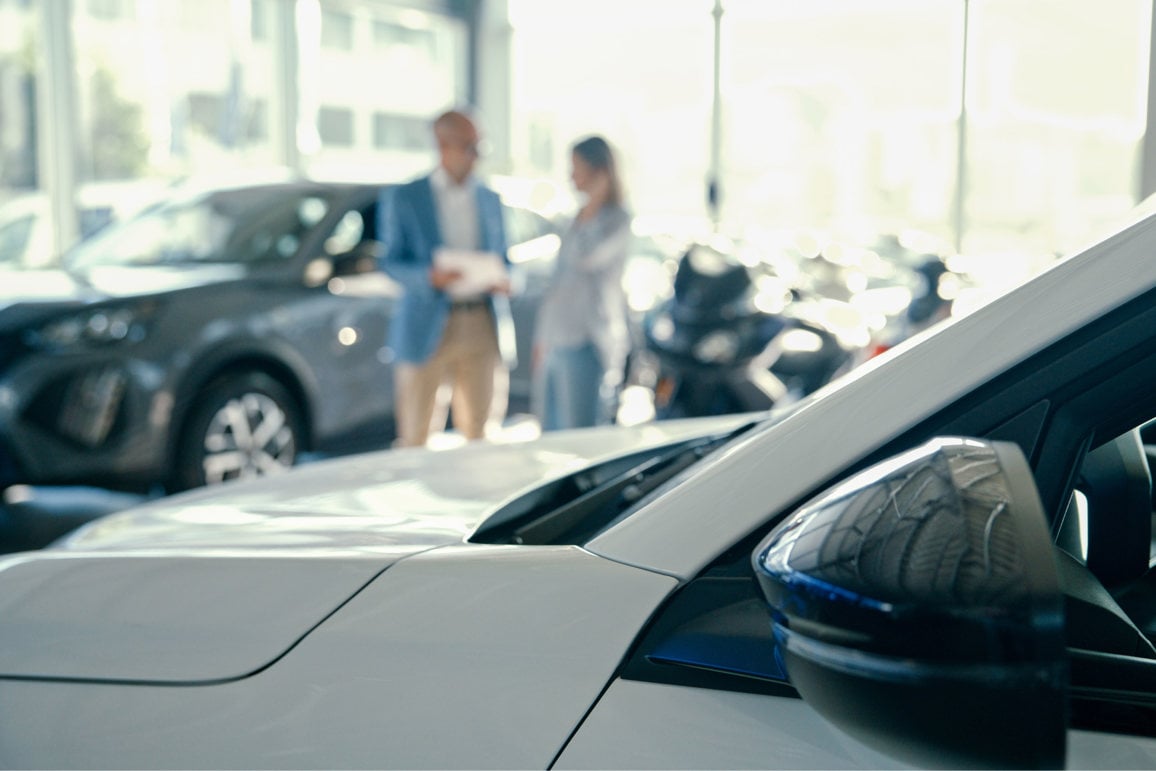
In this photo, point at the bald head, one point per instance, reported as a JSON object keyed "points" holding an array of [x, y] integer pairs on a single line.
{"points": [[457, 140]]}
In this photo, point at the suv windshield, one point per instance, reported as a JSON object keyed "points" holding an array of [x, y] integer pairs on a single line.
{"points": [[230, 226]]}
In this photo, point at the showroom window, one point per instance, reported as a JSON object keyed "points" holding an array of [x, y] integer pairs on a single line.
{"points": [[649, 94], [825, 126], [414, 63], [336, 30], [1056, 108], [335, 125], [18, 67], [178, 89], [401, 132], [259, 19], [845, 119], [110, 9]]}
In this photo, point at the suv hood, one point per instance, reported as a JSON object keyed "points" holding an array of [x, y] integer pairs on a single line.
{"points": [[26, 294], [215, 585]]}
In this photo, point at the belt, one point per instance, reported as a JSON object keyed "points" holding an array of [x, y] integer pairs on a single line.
{"points": [[469, 305]]}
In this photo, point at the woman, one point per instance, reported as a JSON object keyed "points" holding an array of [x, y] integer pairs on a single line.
{"points": [[582, 334]]}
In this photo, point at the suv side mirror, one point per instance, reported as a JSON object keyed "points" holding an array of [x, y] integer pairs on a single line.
{"points": [[358, 261], [917, 607]]}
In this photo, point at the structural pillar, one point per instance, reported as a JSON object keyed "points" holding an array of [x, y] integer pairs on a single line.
{"points": [[1147, 176], [56, 118]]}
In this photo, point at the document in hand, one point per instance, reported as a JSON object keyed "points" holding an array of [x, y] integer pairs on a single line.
{"points": [[481, 271]]}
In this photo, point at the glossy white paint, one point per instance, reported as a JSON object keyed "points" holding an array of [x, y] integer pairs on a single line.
{"points": [[1110, 751], [372, 503], [463, 657], [737, 491], [182, 620], [651, 726]]}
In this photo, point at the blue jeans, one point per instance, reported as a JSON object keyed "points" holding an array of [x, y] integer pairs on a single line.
{"points": [[572, 386]]}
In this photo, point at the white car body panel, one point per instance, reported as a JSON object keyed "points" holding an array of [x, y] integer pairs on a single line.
{"points": [[735, 492], [653, 726], [192, 590], [524, 640], [374, 503], [149, 620]]}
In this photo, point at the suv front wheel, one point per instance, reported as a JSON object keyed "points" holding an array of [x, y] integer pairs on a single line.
{"points": [[242, 426]]}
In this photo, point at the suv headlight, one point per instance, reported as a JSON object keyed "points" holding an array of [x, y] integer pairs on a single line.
{"points": [[98, 326]]}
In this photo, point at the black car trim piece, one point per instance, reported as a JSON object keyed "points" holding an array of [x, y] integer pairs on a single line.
{"points": [[574, 509], [714, 633], [1112, 693]]}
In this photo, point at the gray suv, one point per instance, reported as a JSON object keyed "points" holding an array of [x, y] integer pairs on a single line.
{"points": [[217, 335]]}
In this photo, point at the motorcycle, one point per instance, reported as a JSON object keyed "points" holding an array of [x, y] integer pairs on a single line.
{"points": [[738, 338], [932, 297]]}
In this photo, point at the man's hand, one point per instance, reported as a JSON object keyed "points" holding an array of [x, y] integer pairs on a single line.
{"points": [[441, 278], [502, 287]]}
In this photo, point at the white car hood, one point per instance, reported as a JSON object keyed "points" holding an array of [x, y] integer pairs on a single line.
{"points": [[216, 585], [376, 503]]}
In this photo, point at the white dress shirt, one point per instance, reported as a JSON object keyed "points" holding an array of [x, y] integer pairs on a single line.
{"points": [[457, 209]]}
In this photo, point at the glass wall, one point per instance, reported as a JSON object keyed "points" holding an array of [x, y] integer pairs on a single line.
{"points": [[848, 118], [18, 166], [382, 73], [169, 88], [841, 114], [17, 98], [1056, 114], [164, 90], [637, 72], [838, 116]]}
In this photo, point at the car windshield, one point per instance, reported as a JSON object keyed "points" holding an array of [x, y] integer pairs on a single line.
{"points": [[239, 226]]}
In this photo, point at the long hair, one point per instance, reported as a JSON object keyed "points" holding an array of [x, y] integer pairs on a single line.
{"points": [[596, 152]]}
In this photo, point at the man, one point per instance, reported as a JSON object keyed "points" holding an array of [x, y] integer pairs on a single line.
{"points": [[446, 328]]}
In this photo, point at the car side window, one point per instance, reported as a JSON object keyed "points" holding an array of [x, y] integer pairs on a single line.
{"points": [[277, 233]]}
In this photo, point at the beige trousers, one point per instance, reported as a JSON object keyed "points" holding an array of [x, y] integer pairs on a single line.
{"points": [[466, 360]]}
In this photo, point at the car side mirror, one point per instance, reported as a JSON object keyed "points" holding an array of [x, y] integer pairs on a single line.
{"points": [[358, 261], [917, 607]]}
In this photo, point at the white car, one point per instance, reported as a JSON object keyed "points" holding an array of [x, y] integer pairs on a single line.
{"points": [[659, 596]]}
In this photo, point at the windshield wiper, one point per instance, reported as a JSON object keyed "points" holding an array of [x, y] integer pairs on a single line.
{"points": [[574, 509]]}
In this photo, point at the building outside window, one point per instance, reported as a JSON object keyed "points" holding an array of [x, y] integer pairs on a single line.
{"points": [[335, 126], [843, 119], [18, 63], [336, 30], [401, 132]]}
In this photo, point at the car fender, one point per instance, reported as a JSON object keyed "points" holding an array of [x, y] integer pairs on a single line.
{"points": [[461, 657]]}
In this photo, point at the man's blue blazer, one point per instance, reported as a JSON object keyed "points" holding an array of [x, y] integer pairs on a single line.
{"points": [[408, 227]]}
